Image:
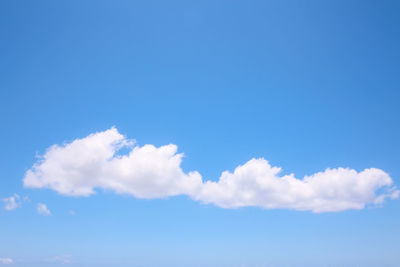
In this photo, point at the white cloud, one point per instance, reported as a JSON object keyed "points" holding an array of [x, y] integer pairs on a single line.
{"points": [[6, 261], [78, 168], [11, 203], [257, 183], [42, 209]]}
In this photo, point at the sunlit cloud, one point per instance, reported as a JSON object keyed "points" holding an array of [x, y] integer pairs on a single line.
{"points": [[84, 165]]}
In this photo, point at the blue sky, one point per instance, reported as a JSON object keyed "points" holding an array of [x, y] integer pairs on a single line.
{"points": [[306, 85]]}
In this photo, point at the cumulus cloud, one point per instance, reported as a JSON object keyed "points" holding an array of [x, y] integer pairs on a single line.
{"points": [[11, 203], [257, 183], [84, 165], [42, 209], [77, 168], [6, 261]]}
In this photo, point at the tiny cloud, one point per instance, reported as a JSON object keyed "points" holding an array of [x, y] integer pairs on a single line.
{"points": [[84, 165], [42, 209], [6, 261], [11, 203]]}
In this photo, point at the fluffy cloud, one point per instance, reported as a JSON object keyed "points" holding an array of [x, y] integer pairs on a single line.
{"points": [[78, 168], [11, 203], [6, 261], [42, 209], [257, 183]]}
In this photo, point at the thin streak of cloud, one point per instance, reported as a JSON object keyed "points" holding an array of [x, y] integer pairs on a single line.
{"points": [[6, 261], [60, 259]]}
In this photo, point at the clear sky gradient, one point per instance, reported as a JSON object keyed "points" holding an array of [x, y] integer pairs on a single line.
{"points": [[307, 85]]}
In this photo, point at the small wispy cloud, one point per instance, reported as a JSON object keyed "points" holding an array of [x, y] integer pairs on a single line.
{"points": [[60, 259], [42, 209], [6, 261], [71, 212], [11, 203]]}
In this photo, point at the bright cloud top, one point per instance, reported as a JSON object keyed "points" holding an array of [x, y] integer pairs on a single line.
{"points": [[78, 168]]}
